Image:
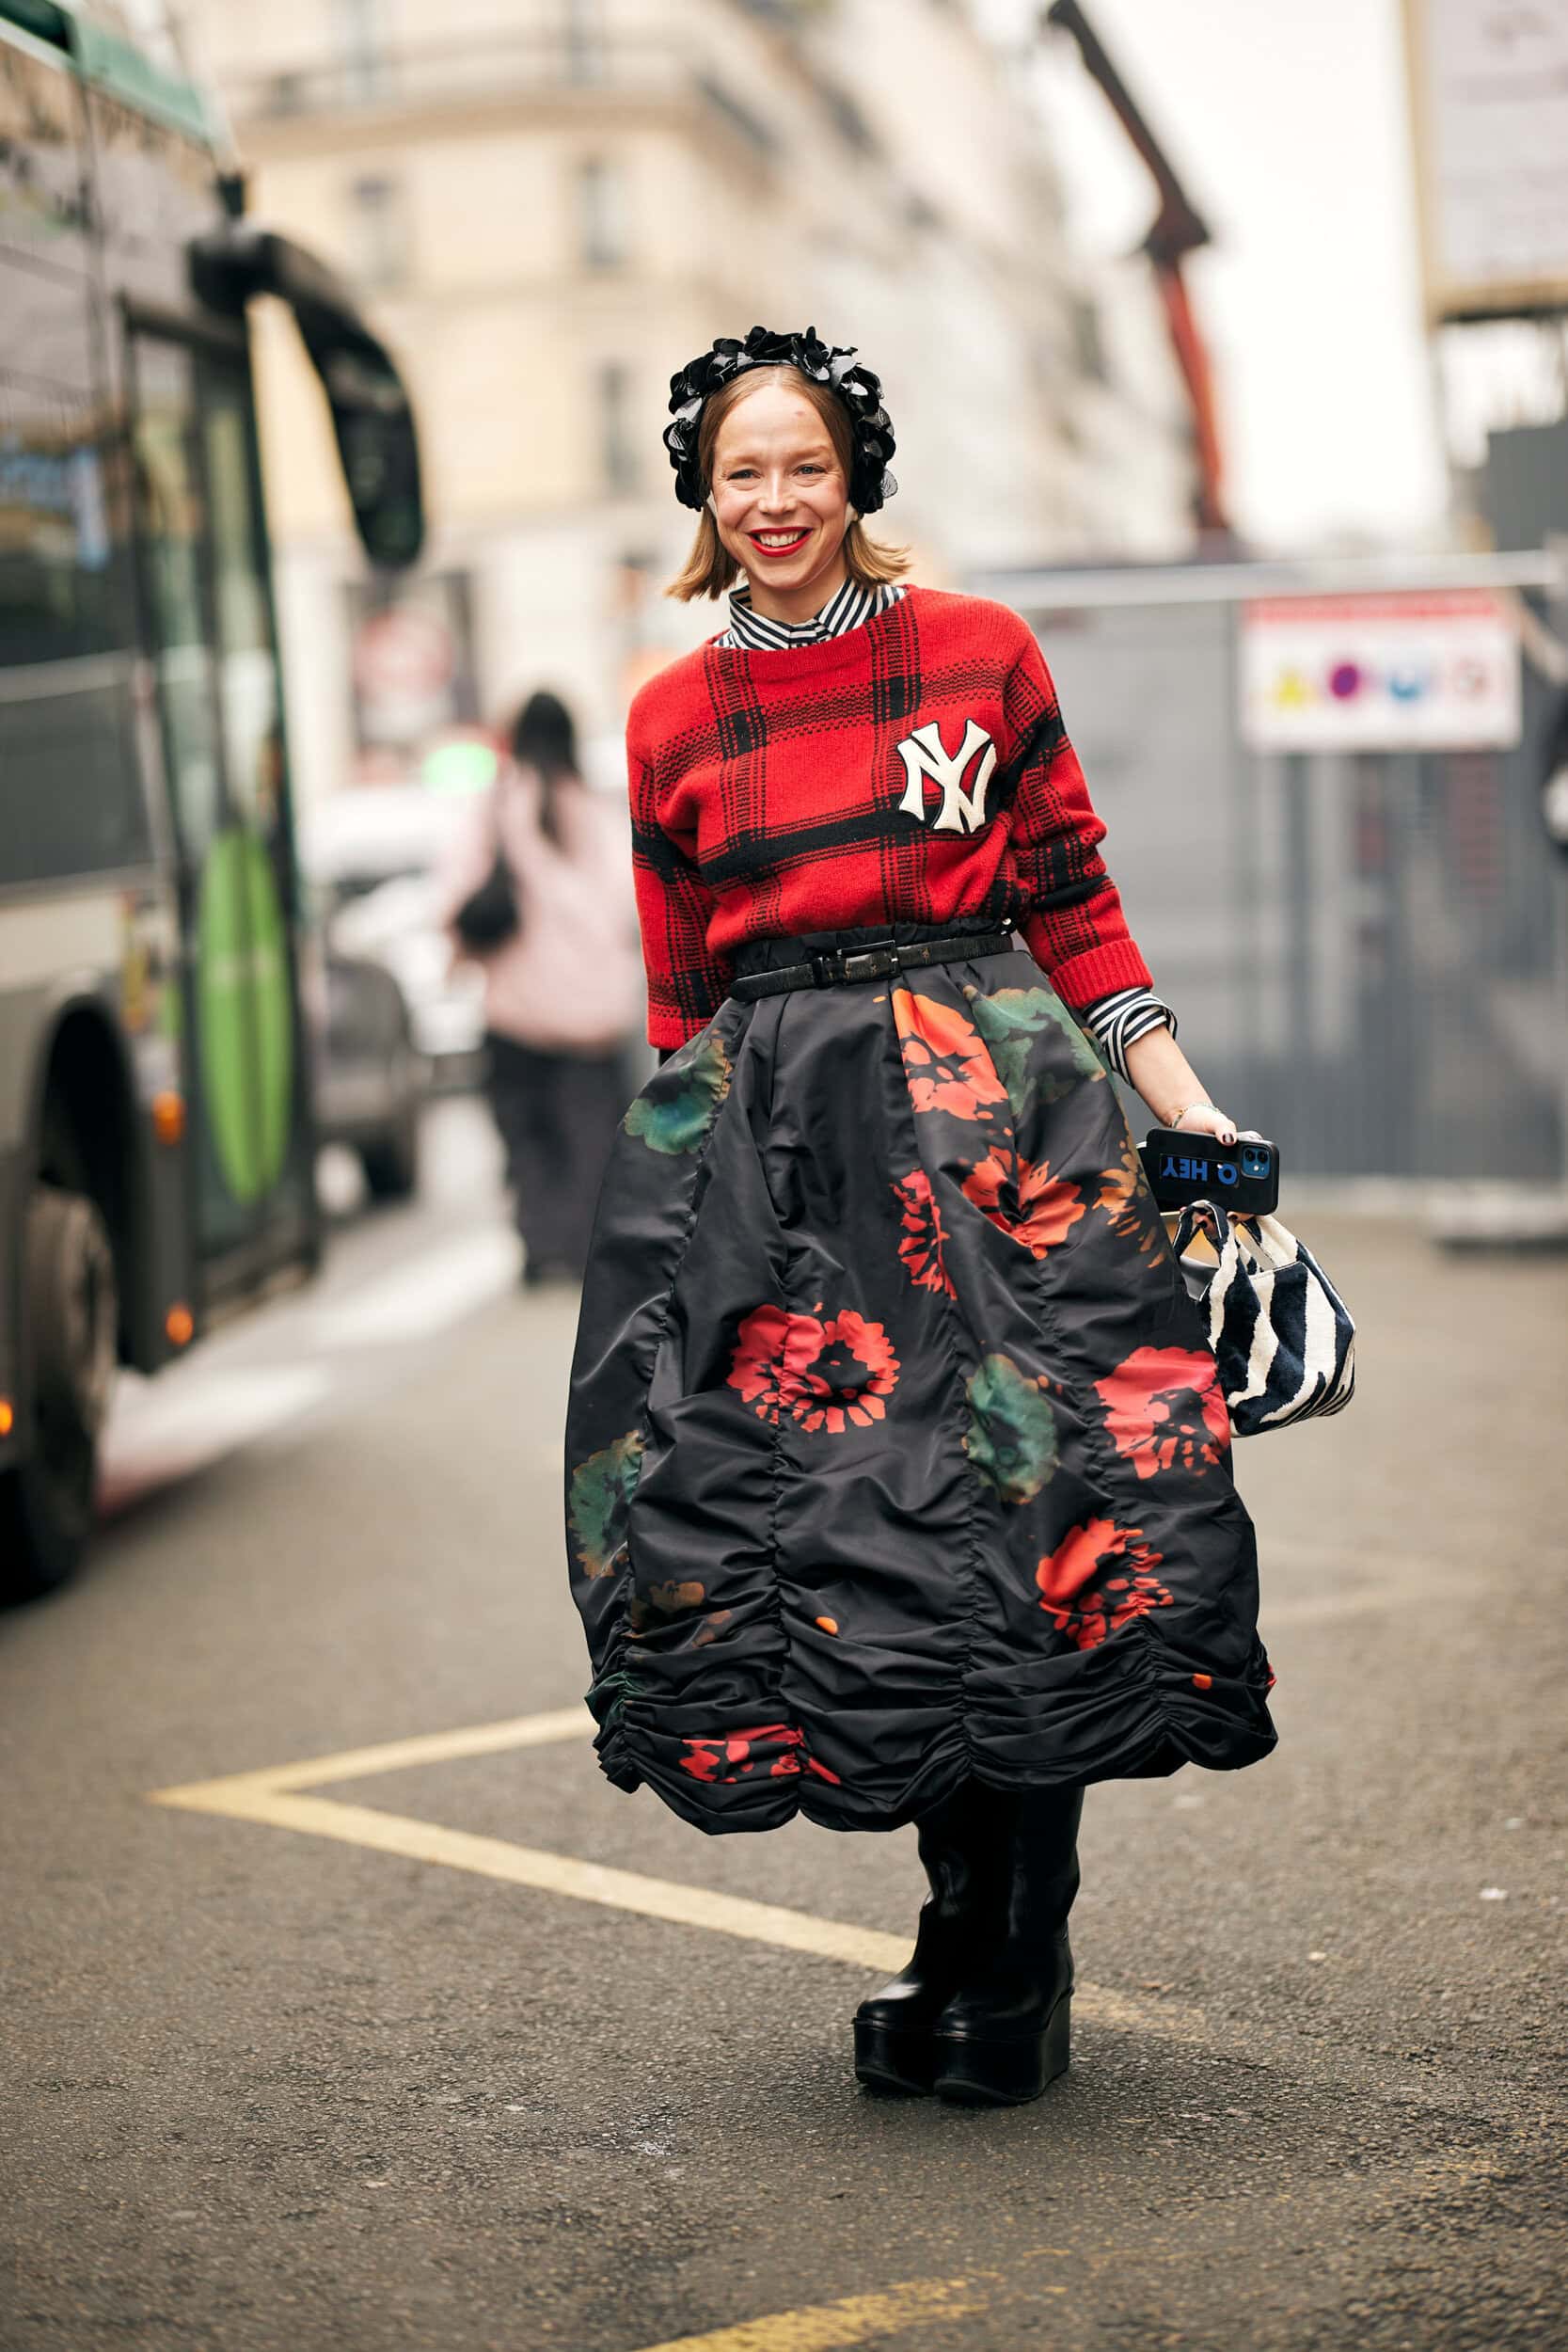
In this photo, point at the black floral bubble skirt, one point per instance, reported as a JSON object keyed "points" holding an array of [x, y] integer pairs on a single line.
{"points": [[896, 1452]]}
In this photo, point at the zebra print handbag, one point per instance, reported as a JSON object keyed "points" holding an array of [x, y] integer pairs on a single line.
{"points": [[1281, 1334]]}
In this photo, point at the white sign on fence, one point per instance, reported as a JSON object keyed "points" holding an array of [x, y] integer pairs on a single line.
{"points": [[1489, 103], [1437, 670]]}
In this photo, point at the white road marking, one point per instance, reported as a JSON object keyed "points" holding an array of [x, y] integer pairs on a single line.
{"points": [[420, 1297], [198, 1410], [156, 1434]]}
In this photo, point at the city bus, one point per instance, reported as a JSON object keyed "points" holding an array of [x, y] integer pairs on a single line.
{"points": [[156, 1146]]}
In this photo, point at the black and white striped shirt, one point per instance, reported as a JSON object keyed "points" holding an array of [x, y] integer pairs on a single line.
{"points": [[1118, 1021], [1114, 1022], [850, 607]]}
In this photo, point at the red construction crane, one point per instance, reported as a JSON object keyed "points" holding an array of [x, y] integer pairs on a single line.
{"points": [[1179, 229]]}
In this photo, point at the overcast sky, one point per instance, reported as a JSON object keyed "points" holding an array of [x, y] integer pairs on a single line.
{"points": [[1286, 119]]}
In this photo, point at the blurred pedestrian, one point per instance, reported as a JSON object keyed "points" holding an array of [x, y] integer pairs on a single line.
{"points": [[535, 891], [899, 1485]]}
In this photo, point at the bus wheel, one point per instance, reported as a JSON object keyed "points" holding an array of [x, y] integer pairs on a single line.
{"points": [[46, 1503]]}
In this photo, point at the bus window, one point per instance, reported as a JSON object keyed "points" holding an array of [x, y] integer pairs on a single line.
{"points": [[43, 212], [155, 193], [248, 663], [171, 510], [70, 801]]}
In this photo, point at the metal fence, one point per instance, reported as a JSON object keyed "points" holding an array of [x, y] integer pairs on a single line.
{"points": [[1366, 950]]}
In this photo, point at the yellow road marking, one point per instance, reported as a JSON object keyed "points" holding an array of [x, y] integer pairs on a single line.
{"points": [[435, 1747], [250, 1800], [860, 2318], [826, 2327], [274, 1797]]}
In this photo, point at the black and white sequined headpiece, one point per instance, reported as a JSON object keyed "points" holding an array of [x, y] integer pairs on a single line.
{"points": [[871, 428]]}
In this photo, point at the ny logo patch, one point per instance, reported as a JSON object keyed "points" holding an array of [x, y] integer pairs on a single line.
{"points": [[927, 758]]}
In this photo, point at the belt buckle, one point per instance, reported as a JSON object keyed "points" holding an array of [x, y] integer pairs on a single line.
{"points": [[871, 963]]}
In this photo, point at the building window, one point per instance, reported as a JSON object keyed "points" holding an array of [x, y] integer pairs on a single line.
{"points": [[379, 232], [361, 45], [602, 214], [584, 40], [617, 447]]}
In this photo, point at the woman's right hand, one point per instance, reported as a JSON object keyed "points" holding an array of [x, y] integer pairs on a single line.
{"points": [[1205, 1118], [1173, 1089]]}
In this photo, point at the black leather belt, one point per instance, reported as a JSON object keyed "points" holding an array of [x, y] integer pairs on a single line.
{"points": [[879, 960]]}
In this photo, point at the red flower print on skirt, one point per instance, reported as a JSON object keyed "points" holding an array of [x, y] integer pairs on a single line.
{"points": [[826, 1376], [1165, 1410], [1125, 1196], [772, 1349], [1024, 1199], [1099, 1578], [925, 1233], [855, 1370], [772, 1748], [945, 1065]]}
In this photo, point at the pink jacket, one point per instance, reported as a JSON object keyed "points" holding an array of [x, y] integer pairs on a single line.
{"points": [[570, 977]]}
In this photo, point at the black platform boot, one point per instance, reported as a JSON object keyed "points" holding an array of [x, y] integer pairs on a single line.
{"points": [[965, 1846], [1007, 2032]]}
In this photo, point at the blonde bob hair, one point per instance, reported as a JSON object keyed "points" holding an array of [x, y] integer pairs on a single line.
{"points": [[710, 568]]}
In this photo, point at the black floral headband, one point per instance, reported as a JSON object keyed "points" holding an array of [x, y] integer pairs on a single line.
{"points": [[859, 390]]}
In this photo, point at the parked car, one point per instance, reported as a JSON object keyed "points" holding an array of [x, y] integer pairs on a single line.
{"points": [[371, 853], [369, 1076]]}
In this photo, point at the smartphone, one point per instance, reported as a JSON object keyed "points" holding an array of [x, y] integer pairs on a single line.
{"points": [[1242, 1177]]}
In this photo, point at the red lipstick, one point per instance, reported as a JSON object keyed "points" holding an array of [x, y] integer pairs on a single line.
{"points": [[796, 542]]}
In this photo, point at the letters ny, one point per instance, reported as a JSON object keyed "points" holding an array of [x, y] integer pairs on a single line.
{"points": [[924, 755]]}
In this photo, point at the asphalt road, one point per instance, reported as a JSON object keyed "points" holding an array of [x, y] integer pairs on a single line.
{"points": [[267, 2087]]}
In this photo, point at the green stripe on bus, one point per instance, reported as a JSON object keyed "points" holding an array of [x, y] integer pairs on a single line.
{"points": [[245, 1024]]}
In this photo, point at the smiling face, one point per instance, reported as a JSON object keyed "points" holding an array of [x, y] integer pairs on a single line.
{"points": [[781, 500]]}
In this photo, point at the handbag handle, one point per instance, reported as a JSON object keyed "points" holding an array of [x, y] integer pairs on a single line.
{"points": [[1201, 1216]]}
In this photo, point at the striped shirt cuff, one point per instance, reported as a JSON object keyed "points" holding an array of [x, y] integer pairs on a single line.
{"points": [[1118, 1021]]}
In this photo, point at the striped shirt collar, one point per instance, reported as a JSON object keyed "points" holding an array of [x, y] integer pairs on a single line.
{"points": [[850, 607]]}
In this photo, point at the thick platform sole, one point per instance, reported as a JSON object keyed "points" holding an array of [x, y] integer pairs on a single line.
{"points": [[973, 2072], [892, 2065]]}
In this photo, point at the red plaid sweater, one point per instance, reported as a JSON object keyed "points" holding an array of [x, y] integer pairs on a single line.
{"points": [[915, 770]]}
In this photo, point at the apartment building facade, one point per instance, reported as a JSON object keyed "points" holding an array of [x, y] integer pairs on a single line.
{"points": [[552, 203]]}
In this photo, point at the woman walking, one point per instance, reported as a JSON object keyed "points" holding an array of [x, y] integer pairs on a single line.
{"points": [[561, 981], [898, 1478]]}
